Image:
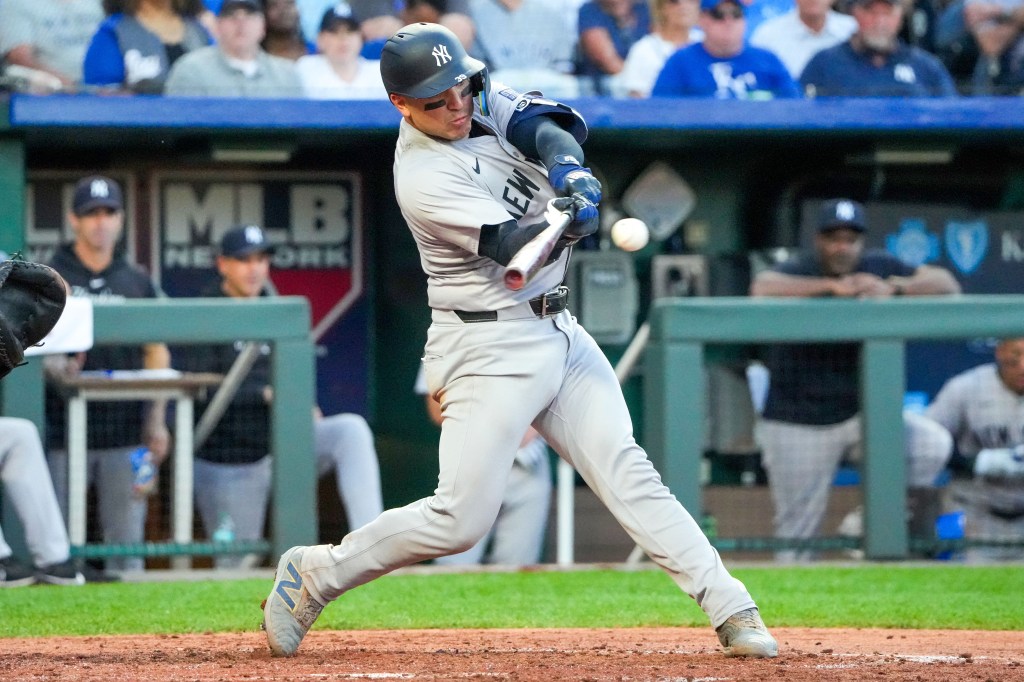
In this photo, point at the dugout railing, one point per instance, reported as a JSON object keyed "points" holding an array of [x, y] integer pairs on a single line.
{"points": [[283, 323], [676, 387]]}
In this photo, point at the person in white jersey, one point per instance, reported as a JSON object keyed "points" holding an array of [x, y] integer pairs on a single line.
{"points": [[476, 164], [983, 408]]}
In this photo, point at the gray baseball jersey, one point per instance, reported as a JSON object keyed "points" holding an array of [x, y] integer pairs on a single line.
{"points": [[981, 412], [448, 190]]}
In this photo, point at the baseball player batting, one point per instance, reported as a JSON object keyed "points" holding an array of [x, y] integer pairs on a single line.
{"points": [[476, 164]]}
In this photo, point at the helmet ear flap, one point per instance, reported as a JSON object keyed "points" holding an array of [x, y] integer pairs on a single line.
{"points": [[481, 84]]}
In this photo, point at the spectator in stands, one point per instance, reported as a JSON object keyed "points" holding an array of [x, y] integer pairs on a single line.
{"points": [[95, 267], [337, 71], [607, 30], [236, 66], [724, 65], [517, 536], [797, 35], [811, 416], [233, 466], [874, 62], [524, 44], [955, 46], [380, 19], [996, 26], [675, 26], [134, 48], [284, 36], [920, 24], [982, 409], [27, 486], [50, 37]]}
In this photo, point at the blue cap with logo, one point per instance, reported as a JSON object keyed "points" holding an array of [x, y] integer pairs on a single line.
{"points": [[243, 240], [837, 213], [339, 15], [96, 191]]}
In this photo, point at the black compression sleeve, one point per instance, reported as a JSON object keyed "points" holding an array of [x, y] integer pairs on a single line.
{"points": [[501, 242], [541, 138]]}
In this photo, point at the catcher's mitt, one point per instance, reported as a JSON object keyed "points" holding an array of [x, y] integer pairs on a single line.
{"points": [[32, 297]]}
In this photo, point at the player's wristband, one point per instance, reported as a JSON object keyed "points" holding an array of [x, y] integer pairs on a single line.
{"points": [[558, 174]]}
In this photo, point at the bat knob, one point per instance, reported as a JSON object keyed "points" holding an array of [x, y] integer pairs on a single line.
{"points": [[514, 280]]}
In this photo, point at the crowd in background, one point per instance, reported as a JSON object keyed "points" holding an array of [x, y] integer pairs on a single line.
{"points": [[737, 49]]}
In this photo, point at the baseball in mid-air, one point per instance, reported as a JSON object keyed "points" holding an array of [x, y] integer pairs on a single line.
{"points": [[630, 234]]}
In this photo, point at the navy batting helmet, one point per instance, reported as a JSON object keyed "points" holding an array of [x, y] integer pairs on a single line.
{"points": [[422, 60]]}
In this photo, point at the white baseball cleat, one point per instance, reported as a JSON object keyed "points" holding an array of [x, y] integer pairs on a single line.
{"points": [[290, 610], [744, 634]]}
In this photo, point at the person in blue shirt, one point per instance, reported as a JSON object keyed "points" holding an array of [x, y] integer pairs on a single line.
{"points": [[134, 48], [724, 66], [875, 62], [606, 29]]}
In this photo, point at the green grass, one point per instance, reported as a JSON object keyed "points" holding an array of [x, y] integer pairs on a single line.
{"points": [[943, 597]]}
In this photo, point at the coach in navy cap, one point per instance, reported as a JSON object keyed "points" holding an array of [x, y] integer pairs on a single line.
{"points": [[837, 213], [244, 240], [96, 191]]}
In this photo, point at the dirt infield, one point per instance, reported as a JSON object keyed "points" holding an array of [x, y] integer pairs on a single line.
{"points": [[662, 654]]}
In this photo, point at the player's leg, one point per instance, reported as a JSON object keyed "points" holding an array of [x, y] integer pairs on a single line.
{"points": [[122, 513], [26, 484], [492, 380], [235, 494], [928, 448], [473, 555], [523, 518], [801, 463], [589, 424], [344, 444]]}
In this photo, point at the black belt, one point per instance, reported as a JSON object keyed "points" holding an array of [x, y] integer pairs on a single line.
{"points": [[549, 304]]}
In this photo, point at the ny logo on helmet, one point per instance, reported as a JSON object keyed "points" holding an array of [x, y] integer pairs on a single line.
{"points": [[440, 53]]}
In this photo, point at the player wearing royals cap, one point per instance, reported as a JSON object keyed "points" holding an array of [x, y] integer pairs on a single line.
{"points": [[475, 167]]}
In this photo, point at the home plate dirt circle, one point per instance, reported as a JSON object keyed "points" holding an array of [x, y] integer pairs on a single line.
{"points": [[656, 654]]}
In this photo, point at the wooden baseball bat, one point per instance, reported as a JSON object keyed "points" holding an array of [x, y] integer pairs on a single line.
{"points": [[529, 259]]}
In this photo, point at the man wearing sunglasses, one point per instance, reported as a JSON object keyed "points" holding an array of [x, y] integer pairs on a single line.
{"points": [[724, 66]]}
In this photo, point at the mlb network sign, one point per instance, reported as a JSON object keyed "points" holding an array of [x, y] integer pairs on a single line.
{"points": [[311, 219]]}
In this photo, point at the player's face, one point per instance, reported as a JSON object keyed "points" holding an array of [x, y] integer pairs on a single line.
{"points": [[447, 116], [1010, 359], [246, 276], [98, 230], [839, 250]]}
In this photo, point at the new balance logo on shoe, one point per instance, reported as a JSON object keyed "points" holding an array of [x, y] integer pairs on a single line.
{"points": [[285, 586]]}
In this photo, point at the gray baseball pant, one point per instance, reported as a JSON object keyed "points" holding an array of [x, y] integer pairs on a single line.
{"points": [[28, 488], [239, 492], [493, 380], [122, 514], [344, 444], [517, 536], [801, 462]]}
